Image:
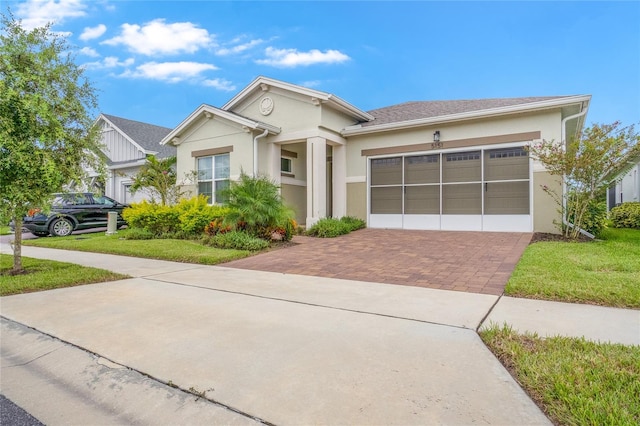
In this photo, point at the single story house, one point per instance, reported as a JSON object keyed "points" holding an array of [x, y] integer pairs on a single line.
{"points": [[126, 144], [441, 165], [627, 186]]}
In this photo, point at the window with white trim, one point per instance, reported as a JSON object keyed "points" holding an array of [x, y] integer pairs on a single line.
{"points": [[213, 177], [285, 165]]}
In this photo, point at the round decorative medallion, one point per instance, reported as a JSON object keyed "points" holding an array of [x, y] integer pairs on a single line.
{"points": [[266, 105]]}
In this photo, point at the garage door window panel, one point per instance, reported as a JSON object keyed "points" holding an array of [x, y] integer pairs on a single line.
{"points": [[506, 164], [386, 171], [422, 169], [506, 197], [462, 167]]}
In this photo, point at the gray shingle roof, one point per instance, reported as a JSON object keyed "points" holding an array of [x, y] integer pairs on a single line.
{"points": [[428, 109], [146, 135]]}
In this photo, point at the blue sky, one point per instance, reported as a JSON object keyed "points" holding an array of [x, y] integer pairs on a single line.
{"points": [[157, 61]]}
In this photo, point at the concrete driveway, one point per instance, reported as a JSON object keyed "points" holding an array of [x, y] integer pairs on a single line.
{"points": [[263, 346], [477, 262]]}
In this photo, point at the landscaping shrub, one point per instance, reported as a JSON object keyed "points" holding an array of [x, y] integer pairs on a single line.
{"points": [[195, 214], [216, 227], [330, 227], [154, 218], [626, 215], [594, 219], [255, 206], [238, 240], [186, 219]]}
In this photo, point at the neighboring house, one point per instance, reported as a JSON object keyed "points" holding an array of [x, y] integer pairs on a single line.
{"points": [[126, 144], [450, 165], [627, 186]]}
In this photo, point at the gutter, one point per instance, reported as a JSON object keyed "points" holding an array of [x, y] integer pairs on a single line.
{"points": [[563, 130], [255, 151]]}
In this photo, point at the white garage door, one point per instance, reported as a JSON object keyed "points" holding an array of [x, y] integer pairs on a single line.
{"points": [[475, 190]]}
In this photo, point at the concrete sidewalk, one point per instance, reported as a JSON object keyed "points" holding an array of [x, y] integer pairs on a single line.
{"points": [[270, 347]]}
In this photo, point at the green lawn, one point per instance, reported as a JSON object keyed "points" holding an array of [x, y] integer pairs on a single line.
{"points": [[603, 272], [5, 230], [47, 275], [574, 381], [165, 249]]}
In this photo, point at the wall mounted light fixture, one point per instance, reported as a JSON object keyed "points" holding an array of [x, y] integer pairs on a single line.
{"points": [[436, 136]]}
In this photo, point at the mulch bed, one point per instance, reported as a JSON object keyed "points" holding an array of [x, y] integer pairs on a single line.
{"points": [[543, 236]]}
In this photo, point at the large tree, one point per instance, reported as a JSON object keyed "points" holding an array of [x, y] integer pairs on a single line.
{"points": [[587, 165], [46, 135]]}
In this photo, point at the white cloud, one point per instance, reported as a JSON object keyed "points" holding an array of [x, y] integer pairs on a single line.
{"points": [[220, 84], [311, 83], [90, 33], [88, 51], [223, 51], [289, 58], [109, 62], [171, 72], [157, 37], [37, 13]]}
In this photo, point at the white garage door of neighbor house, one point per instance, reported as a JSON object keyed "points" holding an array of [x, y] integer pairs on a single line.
{"points": [[472, 190]]}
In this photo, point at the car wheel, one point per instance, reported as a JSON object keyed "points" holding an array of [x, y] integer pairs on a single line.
{"points": [[40, 234], [61, 227]]}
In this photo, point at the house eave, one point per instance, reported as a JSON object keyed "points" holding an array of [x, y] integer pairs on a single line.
{"points": [[486, 113]]}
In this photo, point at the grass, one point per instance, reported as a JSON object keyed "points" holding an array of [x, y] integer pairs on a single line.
{"points": [[47, 275], [165, 249], [574, 381], [5, 230], [605, 272]]}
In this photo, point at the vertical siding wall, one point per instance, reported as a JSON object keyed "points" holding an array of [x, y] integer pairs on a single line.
{"points": [[117, 147]]}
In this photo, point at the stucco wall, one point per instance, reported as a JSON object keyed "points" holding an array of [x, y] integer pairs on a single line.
{"points": [[295, 196], [545, 209], [357, 200]]}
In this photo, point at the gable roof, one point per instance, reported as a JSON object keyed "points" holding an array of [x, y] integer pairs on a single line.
{"points": [[411, 114], [146, 136], [210, 112], [263, 83]]}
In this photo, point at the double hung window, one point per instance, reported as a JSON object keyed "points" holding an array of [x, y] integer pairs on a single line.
{"points": [[213, 177]]}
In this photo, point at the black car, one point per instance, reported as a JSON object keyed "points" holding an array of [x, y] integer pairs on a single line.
{"points": [[73, 211]]}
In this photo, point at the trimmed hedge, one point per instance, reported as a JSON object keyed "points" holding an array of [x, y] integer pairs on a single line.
{"points": [[238, 240], [626, 215]]}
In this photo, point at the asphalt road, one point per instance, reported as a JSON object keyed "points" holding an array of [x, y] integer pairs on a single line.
{"points": [[11, 414]]}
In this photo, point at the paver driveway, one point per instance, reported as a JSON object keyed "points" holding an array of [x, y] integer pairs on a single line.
{"points": [[478, 262]]}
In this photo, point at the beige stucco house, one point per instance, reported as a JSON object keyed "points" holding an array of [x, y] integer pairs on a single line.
{"points": [[449, 165]]}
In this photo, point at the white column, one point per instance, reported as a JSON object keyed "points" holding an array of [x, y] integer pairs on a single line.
{"points": [[316, 180], [273, 168], [339, 181]]}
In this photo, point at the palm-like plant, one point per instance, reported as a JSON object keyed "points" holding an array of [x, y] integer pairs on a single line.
{"points": [[157, 178], [256, 205]]}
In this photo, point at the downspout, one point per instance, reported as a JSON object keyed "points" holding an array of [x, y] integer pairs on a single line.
{"points": [[255, 151], [563, 132]]}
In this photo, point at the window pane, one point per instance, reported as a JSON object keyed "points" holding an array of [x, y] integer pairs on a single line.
{"points": [[285, 165], [222, 166], [386, 171], [422, 169], [204, 188], [221, 185], [204, 168], [386, 200], [462, 199], [422, 199], [506, 164], [506, 198], [461, 167]]}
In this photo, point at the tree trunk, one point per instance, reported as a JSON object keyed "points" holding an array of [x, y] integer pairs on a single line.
{"points": [[17, 246]]}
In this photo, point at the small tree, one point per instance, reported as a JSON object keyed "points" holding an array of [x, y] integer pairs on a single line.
{"points": [[157, 178], [587, 165], [46, 135]]}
